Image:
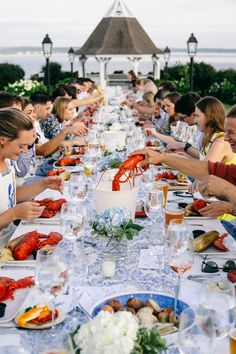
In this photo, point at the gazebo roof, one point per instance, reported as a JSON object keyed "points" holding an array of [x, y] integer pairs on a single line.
{"points": [[119, 33]]}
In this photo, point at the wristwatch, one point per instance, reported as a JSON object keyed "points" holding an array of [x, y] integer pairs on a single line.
{"points": [[187, 146]]}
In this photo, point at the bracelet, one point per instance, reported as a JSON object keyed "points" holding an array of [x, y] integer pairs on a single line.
{"points": [[187, 146]]}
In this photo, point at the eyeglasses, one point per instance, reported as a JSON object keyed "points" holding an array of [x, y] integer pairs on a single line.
{"points": [[212, 266]]}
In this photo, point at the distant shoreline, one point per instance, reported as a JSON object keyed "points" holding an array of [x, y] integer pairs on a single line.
{"points": [[38, 50]]}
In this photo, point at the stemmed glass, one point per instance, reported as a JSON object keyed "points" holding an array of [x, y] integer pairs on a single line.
{"points": [[51, 278], [72, 222], [217, 298], [181, 254], [78, 187], [153, 209], [192, 338], [77, 265]]}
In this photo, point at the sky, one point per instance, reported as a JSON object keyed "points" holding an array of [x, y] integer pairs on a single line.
{"points": [[70, 22]]}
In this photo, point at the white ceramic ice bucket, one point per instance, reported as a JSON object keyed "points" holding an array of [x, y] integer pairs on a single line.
{"points": [[106, 198]]}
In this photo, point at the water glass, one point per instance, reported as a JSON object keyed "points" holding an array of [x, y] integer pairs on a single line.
{"points": [[51, 279], [191, 338], [217, 298], [72, 218], [78, 187]]}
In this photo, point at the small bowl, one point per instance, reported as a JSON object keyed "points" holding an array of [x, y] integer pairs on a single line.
{"points": [[197, 233], [182, 205], [2, 309]]}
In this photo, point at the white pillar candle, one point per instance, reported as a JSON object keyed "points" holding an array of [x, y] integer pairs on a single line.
{"points": [[108, 269]]}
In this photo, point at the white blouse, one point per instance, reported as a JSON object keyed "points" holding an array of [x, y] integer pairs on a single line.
{"points": [[8, 199]]}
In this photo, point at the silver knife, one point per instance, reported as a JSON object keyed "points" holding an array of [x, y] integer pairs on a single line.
{"points": [[201, 277]]}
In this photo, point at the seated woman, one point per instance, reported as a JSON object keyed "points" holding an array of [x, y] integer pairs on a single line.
{"points": [[61, 116], [210, 116], [171, 125], [16, 134]]}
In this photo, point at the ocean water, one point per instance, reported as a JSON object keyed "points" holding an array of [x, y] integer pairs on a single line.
{"points": [[32, 63]]}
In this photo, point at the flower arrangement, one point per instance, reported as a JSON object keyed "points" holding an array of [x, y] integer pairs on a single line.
{"points": [[112, 159], [115, 224], [117, 333], [25, 87]]}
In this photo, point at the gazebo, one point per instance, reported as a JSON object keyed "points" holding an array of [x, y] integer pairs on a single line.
{"points": [[119, 34]]}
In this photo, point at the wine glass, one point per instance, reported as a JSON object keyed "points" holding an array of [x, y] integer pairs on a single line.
{"points": [[72, 221], [51, 278], [146, 180], [153, 209], [77, 264], [78, 187], [181, 254], [43, 255], [217, 298], [192, 338]]}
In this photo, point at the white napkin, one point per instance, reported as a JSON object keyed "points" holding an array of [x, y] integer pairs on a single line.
{"points": [[147, 259]]}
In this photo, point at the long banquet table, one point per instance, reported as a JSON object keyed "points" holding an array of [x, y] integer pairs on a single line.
{"points": [[128, 277], [95, 288]]}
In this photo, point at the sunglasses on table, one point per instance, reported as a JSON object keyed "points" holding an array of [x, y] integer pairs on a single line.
{"points": [[212, 266]]}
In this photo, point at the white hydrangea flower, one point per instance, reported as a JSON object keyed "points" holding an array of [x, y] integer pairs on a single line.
{"points": [[108, 333]]}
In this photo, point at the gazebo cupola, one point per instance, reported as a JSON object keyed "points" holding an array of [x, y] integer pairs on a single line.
{"points": [[119, 34]]}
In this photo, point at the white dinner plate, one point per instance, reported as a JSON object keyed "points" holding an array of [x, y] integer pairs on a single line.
{"points": [[14, 306]]}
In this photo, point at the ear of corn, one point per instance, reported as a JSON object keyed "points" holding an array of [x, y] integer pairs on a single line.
{"points": [[204, 241]]}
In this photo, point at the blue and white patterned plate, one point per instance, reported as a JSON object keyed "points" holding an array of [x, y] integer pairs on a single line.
{"points": [[163, 300]]}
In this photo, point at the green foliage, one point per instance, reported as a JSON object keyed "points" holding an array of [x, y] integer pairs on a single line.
{"points": [[179, 74], [149, 341], [225, 91], [206, 81], [127, 230], [55, 73], [25, 88], [10, 73], [204, 76]]}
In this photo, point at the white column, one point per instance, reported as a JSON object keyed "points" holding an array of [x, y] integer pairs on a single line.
{"points": [[135, 63], [157, 69], [102, 61]]}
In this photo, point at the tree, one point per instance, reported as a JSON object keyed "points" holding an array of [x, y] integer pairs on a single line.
{"points": [[55, 73], [10, 73], [204, 75]]}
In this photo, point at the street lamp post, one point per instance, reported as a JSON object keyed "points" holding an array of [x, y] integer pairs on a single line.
{"points": [[71, 55], [166, 59], [83, 60], [47, 52], [192, 50]]}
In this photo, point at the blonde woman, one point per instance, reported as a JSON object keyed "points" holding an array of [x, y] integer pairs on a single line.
{"points": [[62, 114]]}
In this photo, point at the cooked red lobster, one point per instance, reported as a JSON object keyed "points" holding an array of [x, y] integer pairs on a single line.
{"points": [[56, 172], [165, 175], [198, 204], [51, 206], [68, 161], [219, 243], [9, 285], [23, 246], [128, 165]]}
